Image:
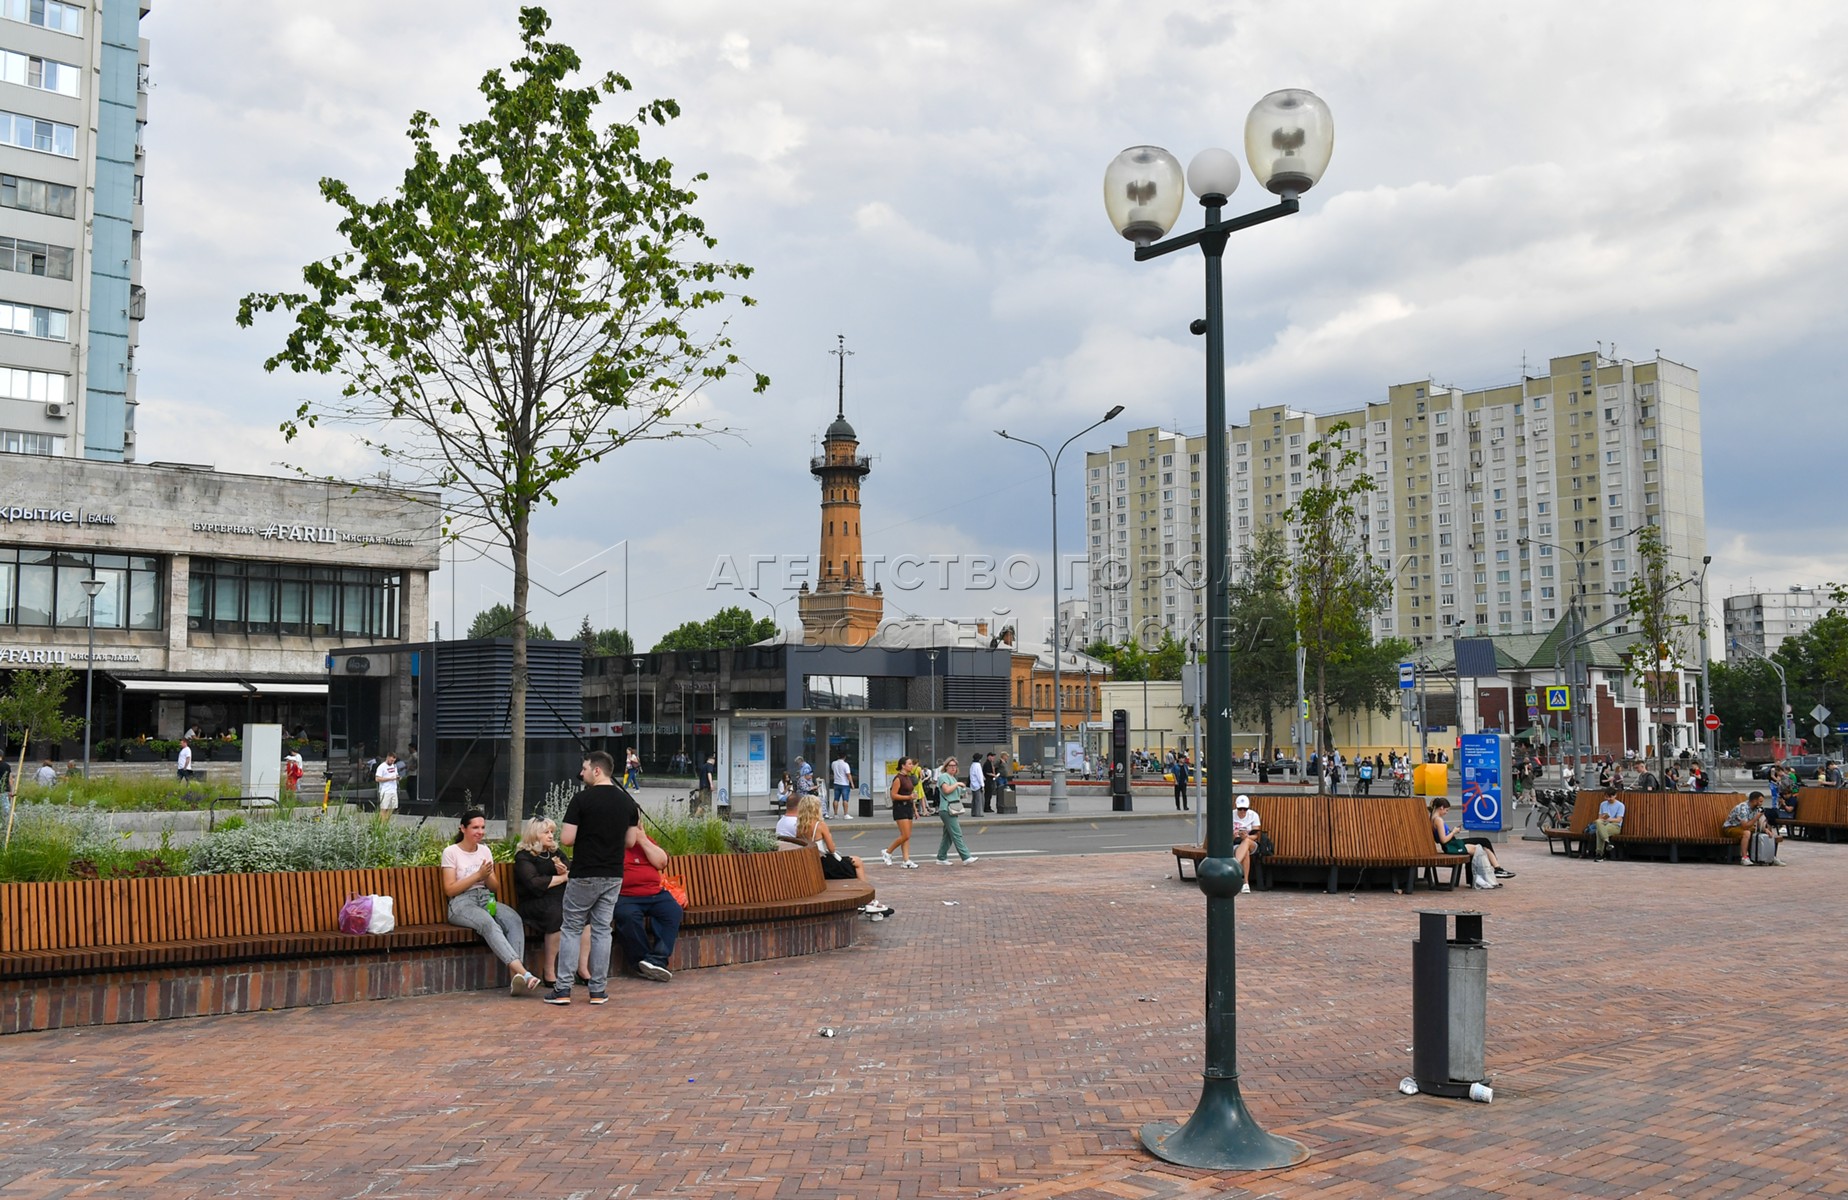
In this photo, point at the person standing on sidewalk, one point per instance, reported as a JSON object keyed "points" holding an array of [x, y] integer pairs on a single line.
{"points": [[949, 809], [1181, 771], [904, 794], [841, 780], [601, 822], [991, 783], [387, 778], [978, 784]]}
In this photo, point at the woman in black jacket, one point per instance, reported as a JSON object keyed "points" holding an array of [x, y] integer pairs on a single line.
{"points": [[539, 874]]}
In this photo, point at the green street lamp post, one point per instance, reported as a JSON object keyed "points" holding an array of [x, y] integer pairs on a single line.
{"points": [[1289, 137], [1056, 794]]}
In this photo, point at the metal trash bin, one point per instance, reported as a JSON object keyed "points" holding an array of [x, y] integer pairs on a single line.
{"points": [[1007, 803], [866, 802], [1450, 997]]}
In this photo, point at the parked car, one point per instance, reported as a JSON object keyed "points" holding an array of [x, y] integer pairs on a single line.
{"points": [[1807, 766]]}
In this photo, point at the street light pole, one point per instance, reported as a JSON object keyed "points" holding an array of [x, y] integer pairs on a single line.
{"points": [[1289, 137], [1056, 797], [1706, 680], [90, 588]]}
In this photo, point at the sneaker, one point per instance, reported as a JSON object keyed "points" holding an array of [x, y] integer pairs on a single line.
{"points": [[1246, 890], [968, 860], [943, 862], [599, 997], [651, 971], [909, 865], [1503, 873], [1745, 862], [559, 998], [887, 855]]}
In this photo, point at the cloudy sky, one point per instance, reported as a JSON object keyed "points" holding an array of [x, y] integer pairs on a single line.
{"points": [[1509, 181]]}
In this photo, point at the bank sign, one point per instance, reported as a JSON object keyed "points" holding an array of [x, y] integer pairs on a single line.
{"points": [[42, 656], [55, 516]]}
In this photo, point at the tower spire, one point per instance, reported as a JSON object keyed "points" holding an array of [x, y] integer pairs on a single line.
{"points": [[843, 353]]}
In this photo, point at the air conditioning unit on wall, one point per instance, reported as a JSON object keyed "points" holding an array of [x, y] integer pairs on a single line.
{"points": [[56, 409]]}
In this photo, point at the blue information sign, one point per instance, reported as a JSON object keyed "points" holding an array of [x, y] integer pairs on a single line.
{"points": [[1481, 759]]}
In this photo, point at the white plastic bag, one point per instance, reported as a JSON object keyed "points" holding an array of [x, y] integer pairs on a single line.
{"points": [[1482, 875], [382, 919]]}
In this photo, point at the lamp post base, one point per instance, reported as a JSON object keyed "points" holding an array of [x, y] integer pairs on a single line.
{"points": [[1056, 800], [1221, 1136]]}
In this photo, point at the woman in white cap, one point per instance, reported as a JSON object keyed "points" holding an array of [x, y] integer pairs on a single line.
{"points": [[1245, 824]]}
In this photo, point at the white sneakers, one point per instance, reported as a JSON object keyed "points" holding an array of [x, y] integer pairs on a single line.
{"points": [[887, 855], [909, 865], [968, 860], [1244, 890]]}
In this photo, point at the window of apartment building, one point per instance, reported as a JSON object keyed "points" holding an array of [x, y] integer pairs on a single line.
{"points": [[1122, 468], [1651, 498], [1296, 439], [1440, 418], [36, 133], [1442, 439], [40, 387], [35, 258], [1167, 477], [1122, 484], [33, 320], [1612, 457], [45, 588], [35, 195], [45, 74], [47, 14], [13, 441], [1443, 539], [1167, 460]]}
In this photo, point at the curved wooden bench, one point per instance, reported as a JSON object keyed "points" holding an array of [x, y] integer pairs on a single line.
{"points": [[1678, 819], [1568, 841], [1821, 811], [1337, 833], [102, 951]]}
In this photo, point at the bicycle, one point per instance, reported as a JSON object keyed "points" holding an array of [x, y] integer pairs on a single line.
{"points": [[1552, 807], [1401, 786]]}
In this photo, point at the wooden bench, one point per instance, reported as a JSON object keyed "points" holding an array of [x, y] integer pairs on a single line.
{"points": [[1568, 841], [1315, 833], [101, 951], [1678, 820], [1821, 812]]}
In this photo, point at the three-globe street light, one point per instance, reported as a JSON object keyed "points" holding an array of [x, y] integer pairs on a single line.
{"points": [[1289, 137], [1056, 798]]}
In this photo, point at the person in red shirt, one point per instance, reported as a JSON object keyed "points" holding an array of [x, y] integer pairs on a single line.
{"points": [[647, 915]]}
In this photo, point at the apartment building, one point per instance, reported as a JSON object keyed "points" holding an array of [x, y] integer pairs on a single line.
{"points": [[73, 102], [1761, 621], [1489, 506]]}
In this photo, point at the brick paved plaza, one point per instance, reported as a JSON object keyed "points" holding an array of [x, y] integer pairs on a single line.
{"points": [[1654, 1029]]}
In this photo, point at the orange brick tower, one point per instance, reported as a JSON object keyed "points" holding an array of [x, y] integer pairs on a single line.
{"points": [[840, 611]]}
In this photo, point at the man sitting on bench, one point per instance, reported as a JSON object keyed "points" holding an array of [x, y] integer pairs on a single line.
{"points": [[1747, 818]]}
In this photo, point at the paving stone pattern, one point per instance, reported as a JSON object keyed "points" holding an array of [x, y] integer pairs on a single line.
{"points": [[1654, 1030]]}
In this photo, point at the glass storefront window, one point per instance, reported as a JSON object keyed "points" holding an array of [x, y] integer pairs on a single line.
{"points": [[45, 587]]}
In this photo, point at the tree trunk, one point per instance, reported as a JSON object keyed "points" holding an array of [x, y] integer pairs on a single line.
{"points": [[516, 708]]}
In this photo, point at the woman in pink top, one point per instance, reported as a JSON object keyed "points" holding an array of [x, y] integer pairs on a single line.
{"points": [[468, 881]]}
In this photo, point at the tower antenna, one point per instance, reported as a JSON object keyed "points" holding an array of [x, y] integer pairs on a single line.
{"points": [[843, 353]]}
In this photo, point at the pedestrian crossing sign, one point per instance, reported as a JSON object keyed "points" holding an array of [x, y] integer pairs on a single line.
{"points": [[1559, 699]]}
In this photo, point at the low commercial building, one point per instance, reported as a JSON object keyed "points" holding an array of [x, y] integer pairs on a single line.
{"points": [[218, 597]]}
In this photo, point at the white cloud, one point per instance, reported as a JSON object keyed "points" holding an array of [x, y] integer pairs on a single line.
{"points": [[1508, 180]]}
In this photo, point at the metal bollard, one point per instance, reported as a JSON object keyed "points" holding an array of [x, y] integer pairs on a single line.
{"points": [[1450, 996]]}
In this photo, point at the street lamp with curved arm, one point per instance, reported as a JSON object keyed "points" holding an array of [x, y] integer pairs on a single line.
{"points": [[1289, 137], [1056, 798]]}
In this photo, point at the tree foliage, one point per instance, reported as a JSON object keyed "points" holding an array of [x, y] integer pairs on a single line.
{"points": [[521, 306], [729, 628], [1129, 661], [496, 621], [1263, 641], [603, 643], [32, 709], [1337, 585], [1657, 619]]}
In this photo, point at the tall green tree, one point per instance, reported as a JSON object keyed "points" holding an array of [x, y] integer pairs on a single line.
{"points": [[32, 708], [1746, 695], [1337, 586], [1657, 621], [1263, 640], [603, 643], [729, 628], [524, 304], [497, 620]]}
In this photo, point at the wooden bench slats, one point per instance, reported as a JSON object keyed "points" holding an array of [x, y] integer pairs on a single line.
{"points": [[125, 924]]}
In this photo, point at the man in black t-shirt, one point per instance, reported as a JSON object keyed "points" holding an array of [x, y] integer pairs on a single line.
{"points": [[600, 823]]}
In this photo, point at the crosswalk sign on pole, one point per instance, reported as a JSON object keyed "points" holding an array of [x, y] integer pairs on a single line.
{"points": [[1559, 699]]}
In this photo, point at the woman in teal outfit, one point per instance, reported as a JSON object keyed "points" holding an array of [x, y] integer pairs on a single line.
{"points": [[949, 810]]}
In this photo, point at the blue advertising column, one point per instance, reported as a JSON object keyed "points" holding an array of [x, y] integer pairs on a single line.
{"points": [[1485, 781]]}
